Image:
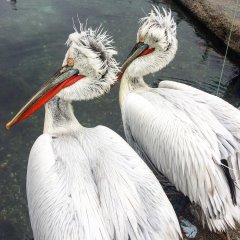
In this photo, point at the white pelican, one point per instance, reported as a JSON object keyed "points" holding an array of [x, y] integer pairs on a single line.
{"points": [[88, 183], [192, 137]]}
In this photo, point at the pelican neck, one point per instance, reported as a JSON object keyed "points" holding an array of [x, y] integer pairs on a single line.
{"points": [[59, 117], [129, 84]]}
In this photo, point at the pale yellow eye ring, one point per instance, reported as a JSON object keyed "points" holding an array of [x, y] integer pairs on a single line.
{"points": [[70, 62]]}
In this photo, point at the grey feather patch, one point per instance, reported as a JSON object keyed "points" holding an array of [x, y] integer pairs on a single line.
{"points": [[229, 180]]}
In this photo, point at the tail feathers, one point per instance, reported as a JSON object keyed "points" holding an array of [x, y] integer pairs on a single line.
{"points": [[229, 180]]}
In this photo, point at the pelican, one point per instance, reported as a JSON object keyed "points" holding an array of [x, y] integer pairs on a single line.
{"points": [[190, 136], [88, 183]]}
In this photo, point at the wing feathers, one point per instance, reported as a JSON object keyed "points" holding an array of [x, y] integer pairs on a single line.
{"points": [[229, 180], [130, 192], [186, 142]]}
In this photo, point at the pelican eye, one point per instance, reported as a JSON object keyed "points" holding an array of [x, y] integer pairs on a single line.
{"points": [[70, 62], [141, 38]]}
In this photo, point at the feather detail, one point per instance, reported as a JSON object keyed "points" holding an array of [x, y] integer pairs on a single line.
{"points": [[93, 52], [91, 185]]}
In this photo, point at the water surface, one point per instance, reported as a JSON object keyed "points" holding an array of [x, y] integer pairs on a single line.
{"points": [[32, 37]]}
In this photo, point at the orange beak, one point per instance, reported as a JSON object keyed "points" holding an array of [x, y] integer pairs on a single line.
{"points": [[63, 78]]}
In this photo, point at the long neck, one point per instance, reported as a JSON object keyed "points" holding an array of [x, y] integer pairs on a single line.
{"points": [[59, 117], [128, 84]]}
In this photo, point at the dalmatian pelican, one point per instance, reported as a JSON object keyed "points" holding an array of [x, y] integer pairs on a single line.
{"points": [[191, 137], [88, 183]]}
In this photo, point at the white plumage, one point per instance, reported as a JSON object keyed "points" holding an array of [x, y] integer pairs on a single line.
{"points": [[92, 185], [186, 133], [88, 183]]}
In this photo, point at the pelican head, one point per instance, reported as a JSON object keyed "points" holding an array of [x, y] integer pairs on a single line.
{"points": [[87, 72], [157, 39], [91, 53]]}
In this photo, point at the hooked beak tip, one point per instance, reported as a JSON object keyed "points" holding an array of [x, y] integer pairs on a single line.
{"points": [[8, 125]]}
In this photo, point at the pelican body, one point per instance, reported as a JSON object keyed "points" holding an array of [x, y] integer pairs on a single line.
{"points": [[190, 136], [88, 183]]}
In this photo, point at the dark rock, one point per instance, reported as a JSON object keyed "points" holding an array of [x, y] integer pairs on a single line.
{"points": [[217, 16]]}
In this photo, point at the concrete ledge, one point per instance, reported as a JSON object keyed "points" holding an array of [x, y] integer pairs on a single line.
{"points": [[217, 16]]}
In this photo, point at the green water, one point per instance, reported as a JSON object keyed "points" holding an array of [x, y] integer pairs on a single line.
{"points": [[32, 37]]}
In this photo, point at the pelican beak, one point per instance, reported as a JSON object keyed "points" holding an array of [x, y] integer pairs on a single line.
{"points": [[140, 49], [64, 77], [137, 51]]}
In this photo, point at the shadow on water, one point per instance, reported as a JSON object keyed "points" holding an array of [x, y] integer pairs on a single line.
{"points": [[32, 47], [8, 231], [13, 4], [232, 93]]}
